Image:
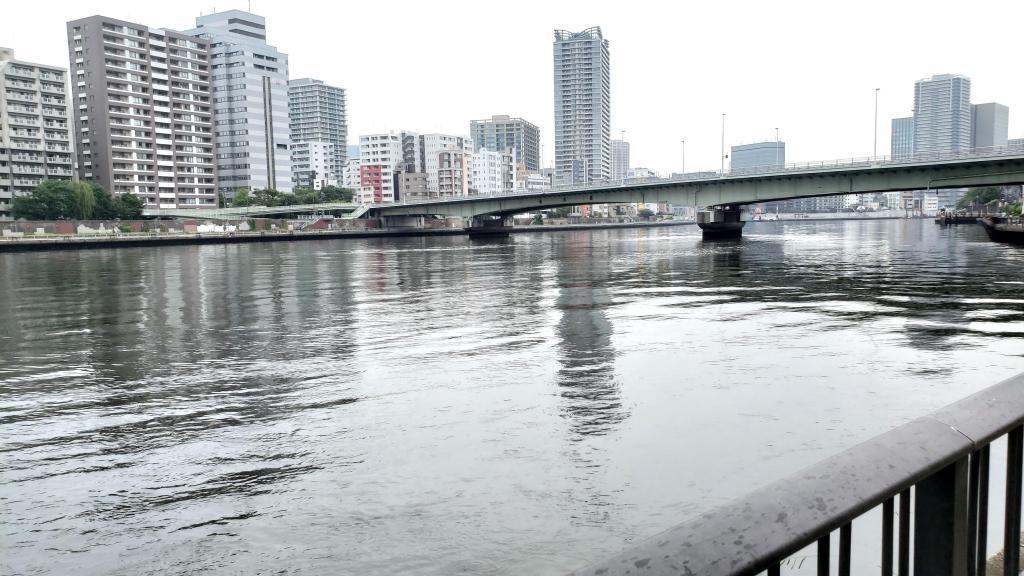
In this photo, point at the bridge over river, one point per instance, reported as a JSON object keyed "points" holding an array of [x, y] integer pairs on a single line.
{"points": [[721, 195]]}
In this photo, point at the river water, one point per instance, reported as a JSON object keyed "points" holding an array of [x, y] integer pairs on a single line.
{"points": [[444, 406]]}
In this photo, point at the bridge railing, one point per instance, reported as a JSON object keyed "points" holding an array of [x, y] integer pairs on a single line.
{"points": [[793, 167], [940, 462]]}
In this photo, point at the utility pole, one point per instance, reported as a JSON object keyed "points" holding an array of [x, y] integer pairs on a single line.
{"points": [[875, 152], [684, 156]]}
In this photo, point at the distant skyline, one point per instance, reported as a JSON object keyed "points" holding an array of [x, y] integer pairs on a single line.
{"points": [[809, 69]]}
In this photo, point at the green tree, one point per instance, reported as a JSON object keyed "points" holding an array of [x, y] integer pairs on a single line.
{"points": [[537, 220], [105, 208], [1014, 209], [50, 200], [83, 200], [128, 206], [266, 197], [979, 197], [645, 213], [336, 194], [242, 199]]}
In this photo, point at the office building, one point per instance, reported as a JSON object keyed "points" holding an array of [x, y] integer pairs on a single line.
{"points": [[250, 89], [989, 125], [582, 78], [35, 138], [501, 133], [758, 155], [316, 113], [942, 114], [143, 112], [902, 140], [314, 164], [493, 172], [620, 159]]}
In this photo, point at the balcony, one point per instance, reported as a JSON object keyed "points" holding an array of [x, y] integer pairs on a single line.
{"points": [[58, 160], [26, 158], [27, 182], [23, 121], [20, 84], [25, 169], [58, 172], [17, 97], [20, 72]]}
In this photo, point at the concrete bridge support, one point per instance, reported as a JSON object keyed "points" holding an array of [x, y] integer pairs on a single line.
{"points": [[721, 222], [402, 221], [489, 226]]}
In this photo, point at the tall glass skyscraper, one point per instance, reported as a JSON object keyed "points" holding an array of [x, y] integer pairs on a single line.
{"points": [[902, 137], [582, 107], [942, 114]]}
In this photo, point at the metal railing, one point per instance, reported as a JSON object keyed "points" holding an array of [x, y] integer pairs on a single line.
{"points": [[940, 460], [770, 170]]}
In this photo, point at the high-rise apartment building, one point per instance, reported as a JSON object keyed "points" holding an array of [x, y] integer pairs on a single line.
{"points": [[142, 111], [35, 138], [902, 144], [582, 77], [770, 154], [452, 173], [501, 133], [942, 114], [620, 159], [250, 89], [314, 164], [316, 113], [380, 158], [431, 146], [990, 124]]}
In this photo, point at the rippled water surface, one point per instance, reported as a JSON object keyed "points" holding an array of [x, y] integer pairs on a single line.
{"points": [[442, 406]]}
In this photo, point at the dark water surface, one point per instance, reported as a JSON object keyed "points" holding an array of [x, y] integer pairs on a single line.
{"points": [[444, 406]]}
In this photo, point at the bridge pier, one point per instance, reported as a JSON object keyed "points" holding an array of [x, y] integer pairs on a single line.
{"points": [[488, 226], [721, 222], [402, 221]]}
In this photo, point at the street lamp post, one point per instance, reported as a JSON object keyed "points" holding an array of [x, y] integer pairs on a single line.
{"points": [[875, 152], [684, 156], [776, 147], [722, 170]]}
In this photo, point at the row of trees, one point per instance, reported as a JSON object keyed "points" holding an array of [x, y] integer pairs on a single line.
{"points": [[65, 200], [271, 197]]}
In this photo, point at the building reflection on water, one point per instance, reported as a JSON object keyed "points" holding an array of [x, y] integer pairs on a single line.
{"points": [[592, 399]]}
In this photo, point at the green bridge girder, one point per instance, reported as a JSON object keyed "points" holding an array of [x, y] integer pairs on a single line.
{"points": [[819, 179]]}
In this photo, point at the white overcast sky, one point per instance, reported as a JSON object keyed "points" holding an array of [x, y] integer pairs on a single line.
{"points": [[808, 68]]}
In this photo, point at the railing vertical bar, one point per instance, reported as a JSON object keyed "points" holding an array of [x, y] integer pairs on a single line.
{"points": [[972, 513], [1011, 534], [823, 554], [775, 570], [981, 560], [887, 517], [904, 558], [845, 540]]}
